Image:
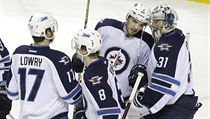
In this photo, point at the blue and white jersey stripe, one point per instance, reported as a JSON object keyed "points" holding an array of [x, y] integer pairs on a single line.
{"points": [[108, 111]]}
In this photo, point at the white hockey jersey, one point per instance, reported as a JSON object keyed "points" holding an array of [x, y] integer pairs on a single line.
{"points": [[44, 82], [102, 96], [123, 50], [169, 72]]}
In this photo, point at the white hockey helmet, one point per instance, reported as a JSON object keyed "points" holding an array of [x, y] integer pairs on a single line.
{"points": [[38, 24], [89, 38], [167, 14], [139, 12]]}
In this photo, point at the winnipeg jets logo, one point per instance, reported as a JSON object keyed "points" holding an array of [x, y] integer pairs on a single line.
{"points": [[119, 58], [164, 46], [115, 59], [95, 80], [65, 60]]}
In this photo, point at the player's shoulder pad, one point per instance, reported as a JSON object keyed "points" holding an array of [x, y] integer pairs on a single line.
{"points": [[170, 44], [99, 65], [59, 58], [176, 36], [3, 50], [147, 38], [20, 49], [109, 22]]}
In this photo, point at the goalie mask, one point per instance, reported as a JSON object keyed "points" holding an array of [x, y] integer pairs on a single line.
{"points": [[139, 12], [88, 39], [38, 24], [169, 17]]}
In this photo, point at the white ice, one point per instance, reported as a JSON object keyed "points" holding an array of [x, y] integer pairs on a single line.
{"points": [[193, 18]]}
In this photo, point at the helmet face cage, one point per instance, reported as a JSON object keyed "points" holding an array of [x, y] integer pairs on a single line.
{"points": [[38, 24], [140, 12], [168, 15], [91, 39]]}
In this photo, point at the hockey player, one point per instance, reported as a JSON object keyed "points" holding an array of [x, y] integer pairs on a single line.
{"points": [[5, 102], [102, 97], [169, 93], [126, 44], [42, 78]]}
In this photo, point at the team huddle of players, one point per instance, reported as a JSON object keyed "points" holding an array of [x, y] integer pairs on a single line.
{"points": [[109, 58]]}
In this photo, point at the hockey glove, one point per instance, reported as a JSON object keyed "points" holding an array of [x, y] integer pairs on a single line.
{"points": [[142, 110], [134, 75], [77, 64], [79, 111], [5, 102]]}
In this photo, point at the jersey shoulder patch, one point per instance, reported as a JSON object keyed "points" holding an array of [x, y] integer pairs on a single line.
{"points": [[110, 22]]}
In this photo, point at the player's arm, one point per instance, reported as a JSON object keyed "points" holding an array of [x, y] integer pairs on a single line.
{"points": [[65, 81], [12, 85]]}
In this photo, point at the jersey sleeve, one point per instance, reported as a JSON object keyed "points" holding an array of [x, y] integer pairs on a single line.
{"points": [[168, 56], [64, 78], [4, 61], [12, 86]]}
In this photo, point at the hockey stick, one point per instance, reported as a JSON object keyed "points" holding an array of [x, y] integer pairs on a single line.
{"points": [[85, 26], [187, 36], [86, 14], [130, 100]]}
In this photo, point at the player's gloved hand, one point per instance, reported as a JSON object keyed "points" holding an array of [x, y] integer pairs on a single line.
{"points": [[77, 64], [79, 111], [138, 96], [134, 75], [5, 102], [143, 110]]}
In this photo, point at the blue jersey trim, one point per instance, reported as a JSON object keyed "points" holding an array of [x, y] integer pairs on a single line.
{"points": [[161, 89], [5, 59], [73, 93], [77, 100], [108, 111], [4, 68], [11, 93], [166, 78]]}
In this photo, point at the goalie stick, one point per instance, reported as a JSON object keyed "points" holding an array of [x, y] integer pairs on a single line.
{"points": [[130, 100]]}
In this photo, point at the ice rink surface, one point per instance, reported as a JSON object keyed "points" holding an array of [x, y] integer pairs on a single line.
{"points": [[193, 18]]}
